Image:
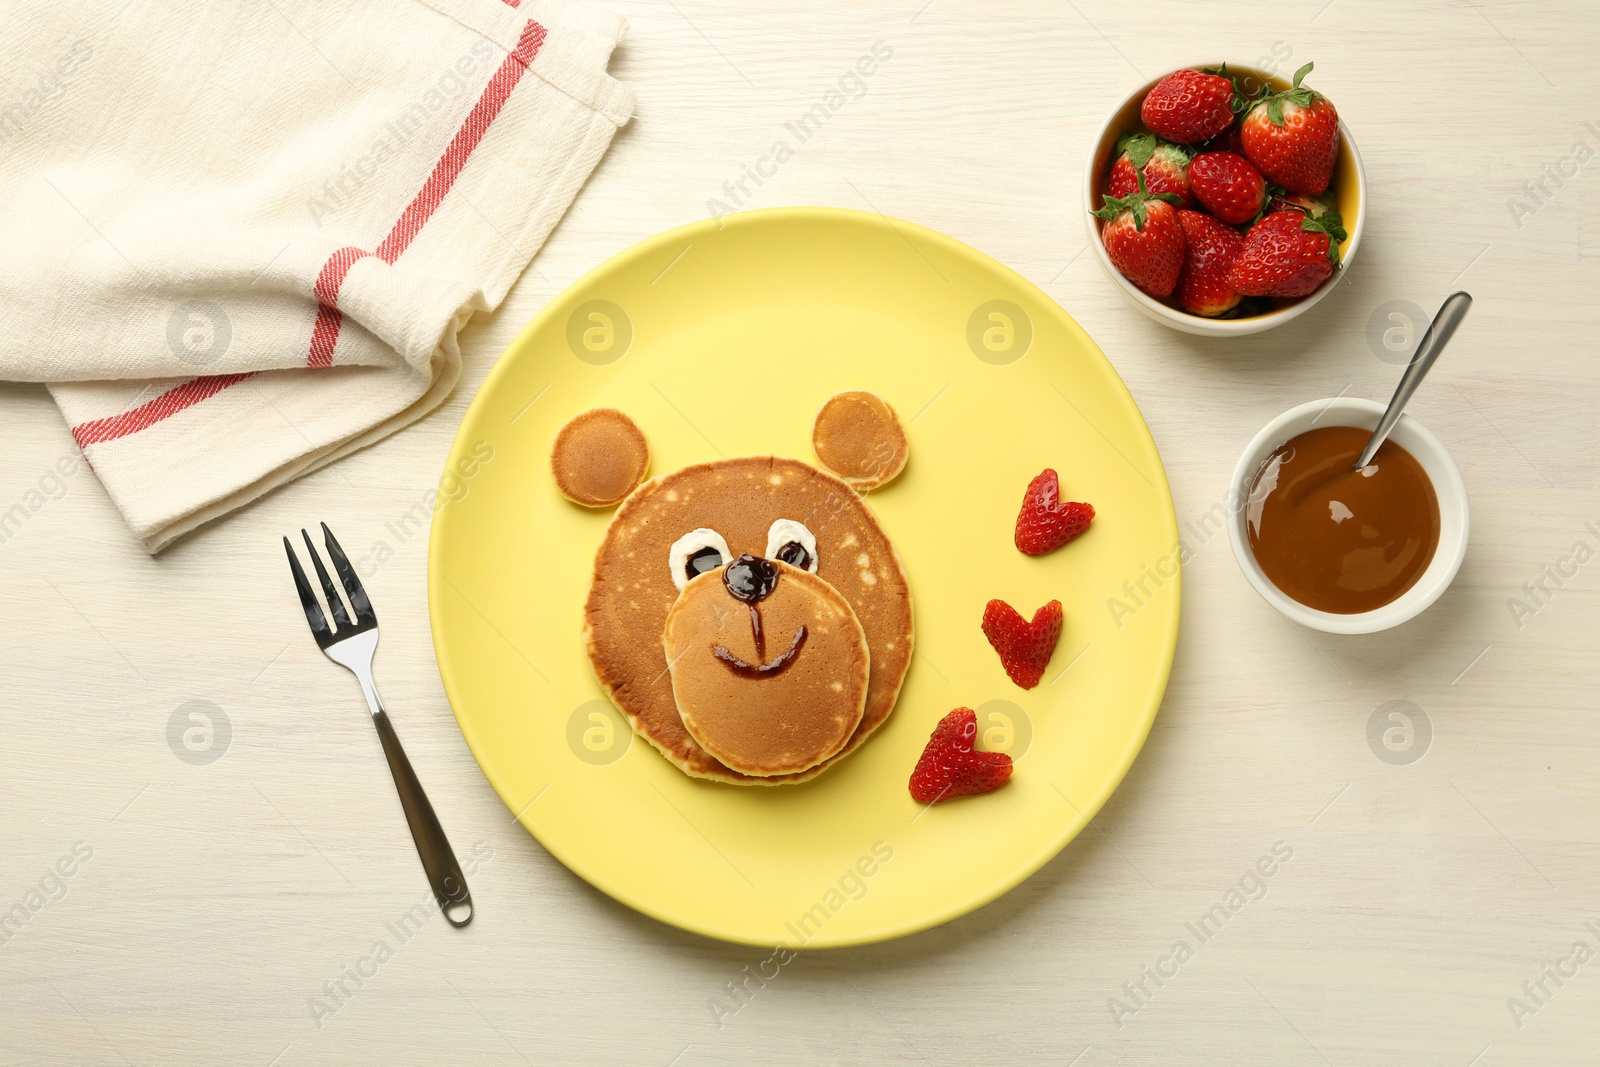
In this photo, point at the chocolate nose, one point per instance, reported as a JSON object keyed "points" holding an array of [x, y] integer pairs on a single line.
{"points": [[750, 578]]}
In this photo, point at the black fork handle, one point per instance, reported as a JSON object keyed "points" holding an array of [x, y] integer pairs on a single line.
{"points": [[438, 860]]}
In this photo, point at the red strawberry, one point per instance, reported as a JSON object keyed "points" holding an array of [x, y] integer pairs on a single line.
{"points": [[1047, 522], [1143, 238], [1209, 249], [950, 767], [1189, 106], [1025, 647], [1288, 253], [1228, 186], [1165, 167], [1293, 137]]}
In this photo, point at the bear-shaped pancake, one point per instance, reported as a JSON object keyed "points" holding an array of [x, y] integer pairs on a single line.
{"points": [[750, 616]]}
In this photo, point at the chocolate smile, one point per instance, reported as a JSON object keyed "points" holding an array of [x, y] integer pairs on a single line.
{"points": [[763, 670]]}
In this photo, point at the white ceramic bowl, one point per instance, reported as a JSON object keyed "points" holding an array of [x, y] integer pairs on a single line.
{"points": [[1349, 182], [1409, 434]]}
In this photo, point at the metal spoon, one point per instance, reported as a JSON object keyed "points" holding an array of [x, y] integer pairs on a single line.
{"points": [[1443, 327]]}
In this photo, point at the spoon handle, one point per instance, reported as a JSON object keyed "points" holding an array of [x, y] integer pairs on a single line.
{"points": [[1443, 327]]}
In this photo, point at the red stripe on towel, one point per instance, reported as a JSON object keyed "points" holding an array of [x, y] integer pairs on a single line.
{"points": [[325, 335], [151, 412], [325, 332]]}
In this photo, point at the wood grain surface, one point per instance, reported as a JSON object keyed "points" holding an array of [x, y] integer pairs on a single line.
{"points": [[232, 911]]}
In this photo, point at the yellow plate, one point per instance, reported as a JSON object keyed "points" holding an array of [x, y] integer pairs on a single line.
{"points": [[725, 341]]}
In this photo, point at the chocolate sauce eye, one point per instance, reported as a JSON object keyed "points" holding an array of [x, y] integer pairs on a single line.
{"points": [[791, 542], [696, 553], [707, 559], [795, 555]]}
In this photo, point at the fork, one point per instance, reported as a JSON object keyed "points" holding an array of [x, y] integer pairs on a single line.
{"points": [[351, 646]]}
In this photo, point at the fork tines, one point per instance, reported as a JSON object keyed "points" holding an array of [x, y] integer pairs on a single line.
{"points": [[365, 619]]}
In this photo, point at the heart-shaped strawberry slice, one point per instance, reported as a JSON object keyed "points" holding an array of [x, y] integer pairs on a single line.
{"points": [[950, 767], [1025, 647], [1047, 522]]}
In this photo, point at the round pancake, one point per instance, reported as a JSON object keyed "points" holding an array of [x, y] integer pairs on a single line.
{"points": [[599, 457], [857, 436], [632, 589], [794, 699]]}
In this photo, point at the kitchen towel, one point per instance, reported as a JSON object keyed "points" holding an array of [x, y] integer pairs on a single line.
{"points": [[240, 237]]}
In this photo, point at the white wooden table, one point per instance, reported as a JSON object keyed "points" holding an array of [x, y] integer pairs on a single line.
{"points": [[228, 912]]}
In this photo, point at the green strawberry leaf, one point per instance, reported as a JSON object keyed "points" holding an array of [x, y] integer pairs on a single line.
{"points": [[1328, 223], [1297, 94], [1139, 147], [1333, 222], [1113, 207], [1135, 203]]}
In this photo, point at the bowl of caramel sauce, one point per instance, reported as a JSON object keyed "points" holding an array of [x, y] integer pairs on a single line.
{"points": [[1343, 550]]}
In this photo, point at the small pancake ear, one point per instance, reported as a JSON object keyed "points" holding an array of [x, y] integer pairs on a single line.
{"points": [[599, 457], [857, 436]]}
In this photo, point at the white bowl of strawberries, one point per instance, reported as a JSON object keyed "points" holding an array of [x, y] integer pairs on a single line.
{"points": [[1224, 200]]}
